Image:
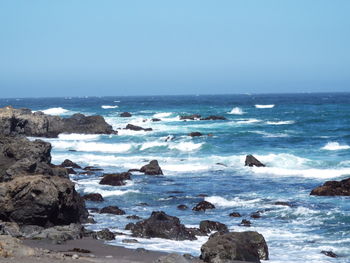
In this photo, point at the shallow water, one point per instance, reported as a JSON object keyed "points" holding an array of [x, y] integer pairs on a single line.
{"points": [[302, 138]]}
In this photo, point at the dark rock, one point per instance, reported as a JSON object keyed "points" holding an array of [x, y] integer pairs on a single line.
{"points": [[40, 200], [93, 210], [152, 168], [105, 234], [161, 225], [92, 169], [227, 247], [71, 171], [112, 210], [69, 163], [38, 124], [130, 241], [202, 206], [80, 250], [207, 226], [86, 173], [190, 117], [182, 207], [202, 195], [255, 215], [283, 203], [136, 128], [175, 192], [195, 134], [156, 119], [134, 217], [333, 188], [235, 214], [19, 156], [125, 114], [329, 254], [250, 160], [196, 231], [245, 222], [90, 220], [94, 197], [213, 118], [143, 204], [116, 179], [221, 164]]}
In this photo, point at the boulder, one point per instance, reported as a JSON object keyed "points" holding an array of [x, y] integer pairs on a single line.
{"points": [[94, 197], [152, 168], [207, 226], [161, 225], [136, 128], [38, 124], [125, 114], [69, 163], [156, 119], [182, 207], [202, 206], [333, 188], [213, 118], [105, 234], [245, 222], [250, 160], [13, 247], [115, 210], [195, 134], [329, 254], [227, 247], [190, 117], [255, 215], [116, 179], [40, 200], [282, 203]]}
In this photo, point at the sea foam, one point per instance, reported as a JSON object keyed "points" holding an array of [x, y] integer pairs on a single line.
{"points": [[335, 146], [109, 106], [55, 111], [267, 106], [236, 111]]}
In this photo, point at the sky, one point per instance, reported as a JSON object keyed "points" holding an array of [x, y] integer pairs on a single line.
{"points": [[139, 47]]}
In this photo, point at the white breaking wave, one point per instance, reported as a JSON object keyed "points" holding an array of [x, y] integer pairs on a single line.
{"points": [[92, 146], [248, 121], [148, 145], [109, 106], [236, 111], [267, 106], [186, 146], [55, 111], [235, 202], [78, 136], [162, 114], [280, 122], [335, 146], [106, 193]]}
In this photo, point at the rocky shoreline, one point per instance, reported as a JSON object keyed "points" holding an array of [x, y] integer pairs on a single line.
{"points": [[38, 201]]}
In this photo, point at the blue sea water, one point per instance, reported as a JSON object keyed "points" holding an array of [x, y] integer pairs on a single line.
{"points": [[302, 138]]}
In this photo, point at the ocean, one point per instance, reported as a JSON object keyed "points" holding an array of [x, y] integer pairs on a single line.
{"points": [[304, 140]]}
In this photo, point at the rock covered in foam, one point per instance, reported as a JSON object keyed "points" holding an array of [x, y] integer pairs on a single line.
{"points": [[333, 188], [38, 124], [161, 225], [250, 160], [227, 247], [41, 200]]}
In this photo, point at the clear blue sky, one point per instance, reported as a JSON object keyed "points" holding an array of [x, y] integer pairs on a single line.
{"points": [[140, 47]]}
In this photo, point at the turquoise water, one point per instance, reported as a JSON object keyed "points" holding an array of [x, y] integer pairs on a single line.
{"points": [[302, 138]]}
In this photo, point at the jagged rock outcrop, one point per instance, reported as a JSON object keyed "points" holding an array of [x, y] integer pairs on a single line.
{"points": [[152, 168], [136, 128], [69, 163], [333, 188], [38, 124], [161, 225], [227, 247], [250, 160], [19, 156], [41, 200]]}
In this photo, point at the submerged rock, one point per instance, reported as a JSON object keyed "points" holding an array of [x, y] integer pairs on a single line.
{"points": [[213, 118], [152, 168], [195, 134], [182, 207], [161, 225], [136, 128], [116, 179], [38, 124], [227, 247], [202, 206], [40, 200], [125, 114], [329, 254], [250, 160], [333, 188], [235, 214], [190, 117], [245, 222], [115, 210]]}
